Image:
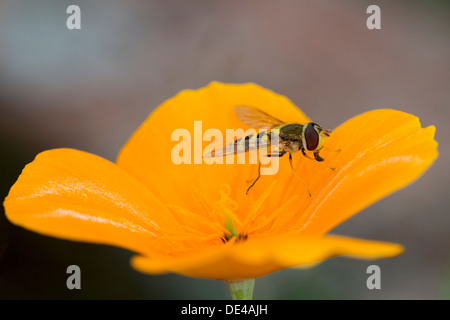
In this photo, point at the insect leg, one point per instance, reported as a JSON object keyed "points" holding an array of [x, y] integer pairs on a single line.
{"points": [[332, 150], [317, 159], [276, 154], [254, 181], [280, 154], [293, 171]]}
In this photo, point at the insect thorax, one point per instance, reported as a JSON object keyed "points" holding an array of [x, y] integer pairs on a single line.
{"points": [[291, 137]]}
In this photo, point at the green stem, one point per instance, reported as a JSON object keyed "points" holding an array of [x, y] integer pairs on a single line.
{"points": [[241, 289]]}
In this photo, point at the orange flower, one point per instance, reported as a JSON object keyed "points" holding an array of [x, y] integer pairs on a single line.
{"points": [[174, 216]]}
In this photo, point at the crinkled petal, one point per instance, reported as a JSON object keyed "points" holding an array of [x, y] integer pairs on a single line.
{"points": [[258, 257]]}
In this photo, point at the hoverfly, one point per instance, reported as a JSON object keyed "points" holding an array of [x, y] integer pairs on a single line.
{"points": [[292, 137]]}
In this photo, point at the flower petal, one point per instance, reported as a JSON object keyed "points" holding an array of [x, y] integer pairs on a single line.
{"points": [[382, 151], [79, 196], [259, 257], [147, 155]]}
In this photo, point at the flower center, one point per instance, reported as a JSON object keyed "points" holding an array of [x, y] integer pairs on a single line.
{"points": [[231, 232], [226, 208]]}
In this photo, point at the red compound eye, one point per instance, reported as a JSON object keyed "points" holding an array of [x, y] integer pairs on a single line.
{"points": [[311, 137]]}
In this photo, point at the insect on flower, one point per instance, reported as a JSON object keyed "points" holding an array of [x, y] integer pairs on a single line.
{"points": [[289, 137], [153, 207]]}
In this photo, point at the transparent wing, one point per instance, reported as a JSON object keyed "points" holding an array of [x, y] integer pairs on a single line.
{"points": [[247, 143], [256, 118]]}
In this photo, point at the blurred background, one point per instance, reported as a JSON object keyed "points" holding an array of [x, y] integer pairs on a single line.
{"points": [[90, 89]]}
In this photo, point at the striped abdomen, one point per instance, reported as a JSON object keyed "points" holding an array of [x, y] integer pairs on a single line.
{"points": [[251, 142]]}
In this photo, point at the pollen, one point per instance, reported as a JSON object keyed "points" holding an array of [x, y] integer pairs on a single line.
{"points": [[225, 208]]}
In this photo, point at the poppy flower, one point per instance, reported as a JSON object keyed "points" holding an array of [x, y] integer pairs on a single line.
{"points": [[196, 219]]}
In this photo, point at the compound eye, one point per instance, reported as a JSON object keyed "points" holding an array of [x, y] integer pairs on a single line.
{"points": [[311, 137]]}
